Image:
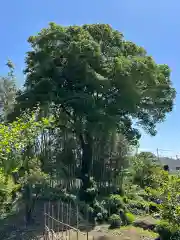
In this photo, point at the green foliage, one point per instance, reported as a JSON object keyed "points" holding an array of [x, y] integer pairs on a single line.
{"points": [[55, 193], [167, 231], [98, 82], [148, 156], [18, 158], [130, 218], [137, 207], [125, 199], [115, 203], [8, 92], [169, 193], [154, 207], [67, 56], [145, 170], [100, 211], [94, 84], [115, 221], [7, 186], [89, 194]]}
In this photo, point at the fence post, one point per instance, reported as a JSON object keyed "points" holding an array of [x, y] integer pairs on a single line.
{"points": [[77, 223], [45, 221], [52, 221], [67, 218], [58, 217], [62, 212], [49, 210]]}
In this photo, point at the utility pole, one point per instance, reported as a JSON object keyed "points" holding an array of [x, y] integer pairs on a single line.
{"points": [[157, 151]]}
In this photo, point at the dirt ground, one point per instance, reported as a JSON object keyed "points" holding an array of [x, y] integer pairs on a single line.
{"points": [[124, 233], [99, 233], [14, 228], [102, 233]]}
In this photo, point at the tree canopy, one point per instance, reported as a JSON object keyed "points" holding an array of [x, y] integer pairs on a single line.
{"points": [[97, 81], [7, 92], [95, 76]]}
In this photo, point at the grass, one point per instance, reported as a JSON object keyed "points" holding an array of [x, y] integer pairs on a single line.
{"points": [[133, 233], [140, 231]]}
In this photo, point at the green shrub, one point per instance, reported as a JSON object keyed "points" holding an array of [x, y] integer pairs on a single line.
{"points": [[99, 217], [115, 202], [140, 206], [166, 231], [89, 195], [153, 207], [85, 210], [100, 211], [130, 218], [125, 199], [115, 221], [137, 207]]}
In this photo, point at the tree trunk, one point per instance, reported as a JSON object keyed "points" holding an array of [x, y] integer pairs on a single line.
{"points": [[28, 204], [86, 166]]}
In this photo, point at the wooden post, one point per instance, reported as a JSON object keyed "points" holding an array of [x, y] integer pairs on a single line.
{"points": [[62, 212], [77, 217]]}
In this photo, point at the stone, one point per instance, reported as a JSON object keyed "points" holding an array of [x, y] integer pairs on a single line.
{"points": [[145, 224]]}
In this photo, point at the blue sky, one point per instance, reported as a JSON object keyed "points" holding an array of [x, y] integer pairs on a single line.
{"points": [[152, 24]]}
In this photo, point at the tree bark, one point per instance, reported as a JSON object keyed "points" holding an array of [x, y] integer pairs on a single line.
{"points": [[86, 164], [28, 204]]}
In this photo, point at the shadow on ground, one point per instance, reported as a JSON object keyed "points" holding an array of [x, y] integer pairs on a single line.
{"points": [[14, 228]]}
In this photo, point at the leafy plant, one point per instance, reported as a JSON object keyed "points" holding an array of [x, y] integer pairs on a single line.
{"points": [[130, 218], [170, 196], [145, 171], [7, 186], [154, 207], [17, 156], [137, 204], [89, 195], [167, 231], [115, 221], [115, 203], [100, 211]]}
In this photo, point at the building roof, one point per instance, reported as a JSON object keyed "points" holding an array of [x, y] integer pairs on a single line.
{"points": [[171, 162]]}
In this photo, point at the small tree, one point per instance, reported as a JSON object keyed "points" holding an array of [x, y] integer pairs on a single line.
{"points": [[8, 92], [145, 170], [170, 195], [16, 140]]}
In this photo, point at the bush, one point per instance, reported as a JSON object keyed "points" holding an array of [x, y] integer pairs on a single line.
{"points": [[153, 207], [99, 217], [89, 195], [137, 207], [85, 210], [125, 199], [164, 230], [130, 218], [167, 231], [7, 187], [115, 221], [100, 212], [115, 203]]}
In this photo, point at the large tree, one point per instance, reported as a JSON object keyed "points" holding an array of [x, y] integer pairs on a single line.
{"points": [[98, 81]]}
